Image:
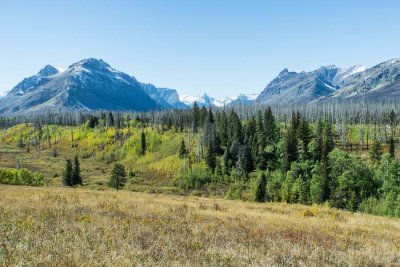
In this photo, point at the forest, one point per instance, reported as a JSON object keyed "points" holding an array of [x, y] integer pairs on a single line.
{"points": [[340, 155]]}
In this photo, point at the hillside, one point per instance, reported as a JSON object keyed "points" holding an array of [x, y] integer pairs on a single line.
{"points": [[64, 227]]}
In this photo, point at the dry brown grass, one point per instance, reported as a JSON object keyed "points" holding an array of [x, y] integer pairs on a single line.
{"points": [[80, 227]]}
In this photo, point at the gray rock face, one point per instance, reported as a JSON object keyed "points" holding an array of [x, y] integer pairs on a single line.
{"points": [[379, 82], [89, 84], [167, 97], [327, 83], [299, 88]]}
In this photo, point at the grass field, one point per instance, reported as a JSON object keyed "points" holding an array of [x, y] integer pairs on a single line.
{"points": [[80, 227]]}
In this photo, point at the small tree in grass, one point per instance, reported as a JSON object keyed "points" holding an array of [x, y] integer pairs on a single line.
{"points": [[76, 172], [260, 192], [118, 176], [67, 178]]}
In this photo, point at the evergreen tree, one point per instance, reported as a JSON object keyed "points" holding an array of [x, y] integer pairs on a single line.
{"points": [[222, 126], [182, 150], [375, 152], [290, 153], [270, 128], [118, 176], [319, 140], [226, 161], [196, 117], [304, 134], [143, 145], [211, 159], [260, 192], [317, 186], [391, 147], [67, 178], [203, 116], [329, 142], [76, 173], [110, 119]]}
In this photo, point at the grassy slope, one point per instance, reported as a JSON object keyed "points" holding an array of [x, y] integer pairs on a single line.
{"points": [[66, 227], [156, 170]]}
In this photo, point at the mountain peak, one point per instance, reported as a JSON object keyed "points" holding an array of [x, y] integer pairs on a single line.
{"points": [[91, 64], [283, 72], [47, 71]]}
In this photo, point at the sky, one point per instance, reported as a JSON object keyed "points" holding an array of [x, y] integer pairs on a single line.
{"points": [[220, 47]]}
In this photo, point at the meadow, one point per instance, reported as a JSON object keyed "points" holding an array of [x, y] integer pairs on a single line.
{"points": [[80, 227]]}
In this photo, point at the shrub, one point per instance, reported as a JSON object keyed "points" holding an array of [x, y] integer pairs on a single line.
{"points": [[196, 178], [20, 177]]}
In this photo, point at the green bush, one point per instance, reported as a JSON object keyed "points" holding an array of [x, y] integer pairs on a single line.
{"points": [[235, 191], [196, 178], [20, 177]]}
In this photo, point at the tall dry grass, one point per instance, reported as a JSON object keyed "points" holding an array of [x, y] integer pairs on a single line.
{"points": [[79, 227]]}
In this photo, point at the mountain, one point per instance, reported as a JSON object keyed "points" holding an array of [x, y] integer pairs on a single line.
{"points": [[207, 101], [332, 83], [167, 97], [299, 87], [88, 85], [379, 82]]}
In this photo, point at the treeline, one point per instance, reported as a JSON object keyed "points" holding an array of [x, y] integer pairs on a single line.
{"points": [[338, 112]]}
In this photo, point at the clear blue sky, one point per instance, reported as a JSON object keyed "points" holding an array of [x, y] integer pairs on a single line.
{"points": [[222, 47]]}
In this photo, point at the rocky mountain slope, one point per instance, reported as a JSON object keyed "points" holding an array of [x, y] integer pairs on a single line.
{"points": [[333, 83], [87, 85]]}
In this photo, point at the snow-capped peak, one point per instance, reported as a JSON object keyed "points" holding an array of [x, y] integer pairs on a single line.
{"points": [[47, 71], [205, 100]]}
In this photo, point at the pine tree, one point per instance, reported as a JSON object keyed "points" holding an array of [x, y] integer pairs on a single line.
{"points": [[110, 119], [222, 127], [143, 145], [196, 117], [320, 140], [375, 152], [182, 150], [391, 147], [304, 134], [328, 138], [76, 173], [203, 116], [290, 149], [226, 161], [118, 176], [211, 159], [270, 128], [67, 178], [260, 193]]}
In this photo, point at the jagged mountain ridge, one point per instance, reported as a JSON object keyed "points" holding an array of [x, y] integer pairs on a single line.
{"points": [[92, 84], [208, 101], [333, 83], [88, 85]]}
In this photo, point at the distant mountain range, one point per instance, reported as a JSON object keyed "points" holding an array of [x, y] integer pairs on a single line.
{"points": [[380, 82], [92, 84], [205, 100]]}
